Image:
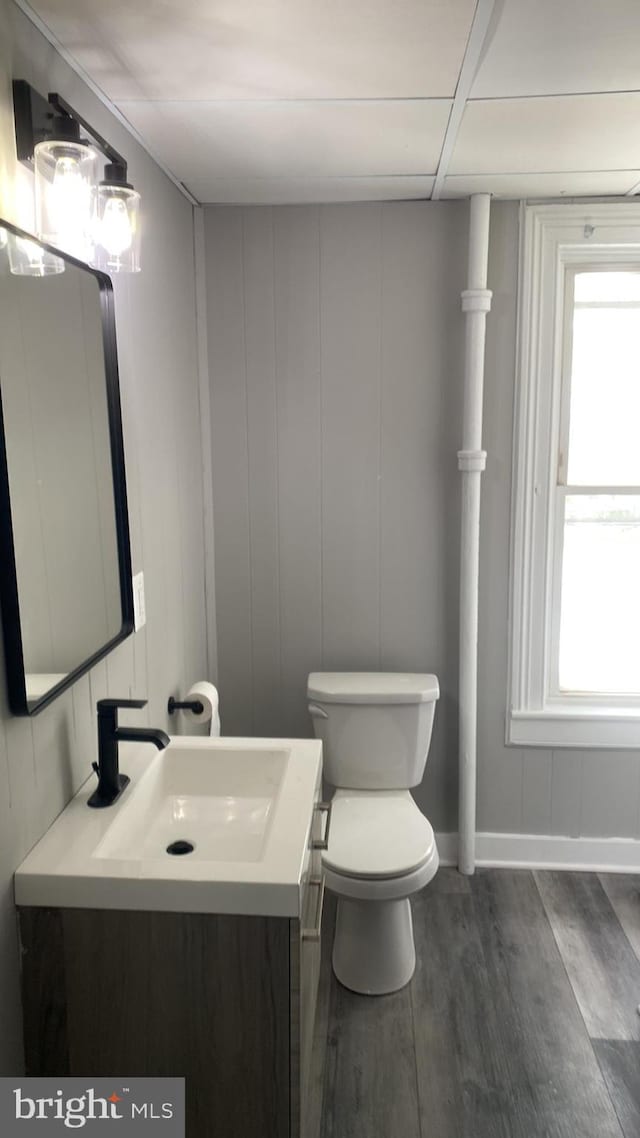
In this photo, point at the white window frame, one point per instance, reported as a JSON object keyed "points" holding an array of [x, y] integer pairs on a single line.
{"points": [[553, 238]]}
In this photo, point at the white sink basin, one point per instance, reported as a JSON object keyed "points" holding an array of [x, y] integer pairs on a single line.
{"points": [[243, 805], [221, 804]]}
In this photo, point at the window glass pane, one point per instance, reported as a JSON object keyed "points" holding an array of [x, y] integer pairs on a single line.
{"points": [[600, 599], [604, 420], [607, 286]]}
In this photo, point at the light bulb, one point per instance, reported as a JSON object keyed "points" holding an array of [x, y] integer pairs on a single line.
{"points": [[117, 231], [115, 227], [70, 200], [65, 181]]}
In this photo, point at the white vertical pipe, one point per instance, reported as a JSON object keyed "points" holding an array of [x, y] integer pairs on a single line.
{"points": [[476, 302]]}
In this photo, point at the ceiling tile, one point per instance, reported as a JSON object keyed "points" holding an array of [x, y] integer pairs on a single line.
{"points": [[252, 49], [570, 133], [202, 142], [566, 47], [289, 191], [542, 185]]}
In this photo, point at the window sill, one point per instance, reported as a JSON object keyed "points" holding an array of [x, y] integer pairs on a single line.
{"points": [[585, 727]]}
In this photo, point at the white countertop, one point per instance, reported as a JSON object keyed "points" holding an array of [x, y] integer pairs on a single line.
{"points": [[69, 868]]}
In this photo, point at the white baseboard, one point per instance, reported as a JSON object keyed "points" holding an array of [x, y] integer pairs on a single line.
{"points": [[541, 851]]}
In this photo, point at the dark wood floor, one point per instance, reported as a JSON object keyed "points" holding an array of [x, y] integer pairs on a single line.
{"points": [[521, 1020]]}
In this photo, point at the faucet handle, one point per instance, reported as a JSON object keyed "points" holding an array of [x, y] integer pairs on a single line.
{"points": [[112, 704]]}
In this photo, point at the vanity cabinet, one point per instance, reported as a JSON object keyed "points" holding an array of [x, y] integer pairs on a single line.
{"points": [[226, 1001]]}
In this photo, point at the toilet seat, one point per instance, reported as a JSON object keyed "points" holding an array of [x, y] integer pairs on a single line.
{"points": [[377, 835], [383, 888]]}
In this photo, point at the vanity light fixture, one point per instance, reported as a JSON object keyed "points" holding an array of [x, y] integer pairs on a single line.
{"points": [[97, 223], [65, 177], [117, 229]]}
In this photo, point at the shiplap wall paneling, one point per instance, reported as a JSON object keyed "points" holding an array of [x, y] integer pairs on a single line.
{"points": [[351, 383], [262, 447], [335, 403], [424, 250], [230, 466], [298, 393]]}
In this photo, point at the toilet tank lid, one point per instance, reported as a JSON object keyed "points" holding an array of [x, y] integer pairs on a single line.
{"points": [[373, 687]]}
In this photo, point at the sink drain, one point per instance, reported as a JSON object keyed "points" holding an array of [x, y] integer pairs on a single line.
{"points": [[180, 847]]}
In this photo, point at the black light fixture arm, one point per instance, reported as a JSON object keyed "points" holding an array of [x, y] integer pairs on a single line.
{"points": [[64, 108], [35, 116]]}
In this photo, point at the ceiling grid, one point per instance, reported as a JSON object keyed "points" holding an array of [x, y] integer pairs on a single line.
{"points": [[290, 101]]}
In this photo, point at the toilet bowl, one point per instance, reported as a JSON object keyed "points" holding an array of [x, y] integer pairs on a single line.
{"points": [[376, 730]]}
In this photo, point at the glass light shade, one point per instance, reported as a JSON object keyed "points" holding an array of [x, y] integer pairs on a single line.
{"points": [[28, 259], [65, 189], [117, 229]]}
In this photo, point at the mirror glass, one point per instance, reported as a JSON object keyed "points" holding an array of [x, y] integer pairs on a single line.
{"points": [[65, 574]]}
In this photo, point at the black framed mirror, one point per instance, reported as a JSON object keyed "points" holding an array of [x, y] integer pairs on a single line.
{"points": [[65, 560]]}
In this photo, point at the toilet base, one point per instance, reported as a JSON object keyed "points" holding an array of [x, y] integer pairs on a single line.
{"points": [[373, 949]]}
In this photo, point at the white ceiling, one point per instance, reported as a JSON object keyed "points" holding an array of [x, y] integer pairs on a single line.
{"points": [[343, 100], [561, 47]]}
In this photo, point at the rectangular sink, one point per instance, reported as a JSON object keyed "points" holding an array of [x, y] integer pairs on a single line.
{"points": [[221, 805], [243, 807]]}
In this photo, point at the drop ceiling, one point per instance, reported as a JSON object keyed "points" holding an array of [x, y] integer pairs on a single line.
{"points": [[343, 100]]}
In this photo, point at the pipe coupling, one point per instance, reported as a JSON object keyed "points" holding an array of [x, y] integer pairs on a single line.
{"points": [[476, 299], [472, 460]]}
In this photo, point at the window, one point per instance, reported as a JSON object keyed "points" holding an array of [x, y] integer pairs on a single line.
{"points": [[575, 604]]}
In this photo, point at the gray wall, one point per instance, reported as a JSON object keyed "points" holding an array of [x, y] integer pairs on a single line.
{"points": [[336, 372], [335, 350], [44, 760]]}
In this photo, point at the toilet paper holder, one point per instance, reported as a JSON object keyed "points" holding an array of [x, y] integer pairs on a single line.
{"points": [[193, 705]]}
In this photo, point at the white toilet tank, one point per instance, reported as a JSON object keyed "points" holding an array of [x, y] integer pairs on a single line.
{"points": [[375, 726]]}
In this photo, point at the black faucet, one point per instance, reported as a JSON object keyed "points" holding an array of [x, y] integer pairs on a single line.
{"points": [[110, 782]]}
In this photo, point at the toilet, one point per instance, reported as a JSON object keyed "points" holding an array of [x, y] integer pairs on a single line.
{"points": [[375, 729]]}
